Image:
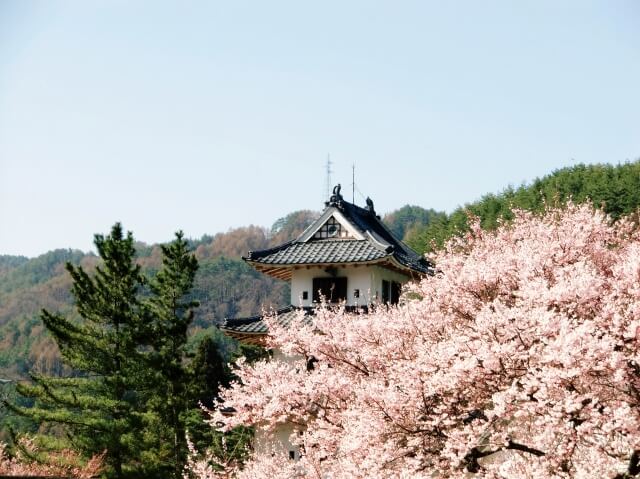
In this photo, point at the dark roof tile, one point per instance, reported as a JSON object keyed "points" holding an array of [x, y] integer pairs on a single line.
{"points": [[318, 252], [256, 324], [378, 242]]}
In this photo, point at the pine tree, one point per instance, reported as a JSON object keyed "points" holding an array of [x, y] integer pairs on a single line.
{"points": [[133, 386], [101, 402], [171, 312], [182, 383], [208, 372]]}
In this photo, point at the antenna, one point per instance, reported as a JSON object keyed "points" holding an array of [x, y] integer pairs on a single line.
{"points": [[328, 192], [353, 183]]}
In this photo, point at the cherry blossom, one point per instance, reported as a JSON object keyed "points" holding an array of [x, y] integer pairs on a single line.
{"points": [[519, 358]]}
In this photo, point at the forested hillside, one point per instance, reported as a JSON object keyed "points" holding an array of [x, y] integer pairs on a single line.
{"points": [[225, 286], [616, 189]]}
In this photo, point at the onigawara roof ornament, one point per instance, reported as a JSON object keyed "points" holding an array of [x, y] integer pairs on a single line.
{"points": [[370, 205], [336, 198]]}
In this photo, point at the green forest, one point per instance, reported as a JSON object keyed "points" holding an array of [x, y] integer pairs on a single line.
{"points": [[45, 301], [225, 286], [614, 188]]}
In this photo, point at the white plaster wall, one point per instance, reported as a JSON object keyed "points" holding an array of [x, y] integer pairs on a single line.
{"points": [[359, 277], [277, 355], [278, 441], [378, 274], [275, 442]]}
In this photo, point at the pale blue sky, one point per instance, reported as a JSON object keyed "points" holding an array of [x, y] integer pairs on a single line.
{"points": [[204, 116]]}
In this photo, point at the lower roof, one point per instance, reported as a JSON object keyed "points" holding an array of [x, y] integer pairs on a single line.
{"points": [[254, 329], [256, 324]]}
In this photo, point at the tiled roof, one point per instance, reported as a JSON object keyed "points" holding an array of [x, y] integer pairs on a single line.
{"points": [[256, 324], [368, 222], [326, 251], [377, 243]]}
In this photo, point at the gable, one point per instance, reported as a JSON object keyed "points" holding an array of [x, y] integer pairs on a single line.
{"points": [[331, 229], [332, 226]]}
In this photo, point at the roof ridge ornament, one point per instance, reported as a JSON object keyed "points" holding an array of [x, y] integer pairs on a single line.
{"points": [[336, 198], [370, 206]]}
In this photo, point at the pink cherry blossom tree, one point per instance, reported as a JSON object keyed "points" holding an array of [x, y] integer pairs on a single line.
{"points": [[519, 358]]}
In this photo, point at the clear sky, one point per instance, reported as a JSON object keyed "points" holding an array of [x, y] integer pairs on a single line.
{"points": [[204, 116]]}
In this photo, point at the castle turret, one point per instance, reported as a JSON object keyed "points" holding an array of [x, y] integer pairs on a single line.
{"points": [[346, 256]]}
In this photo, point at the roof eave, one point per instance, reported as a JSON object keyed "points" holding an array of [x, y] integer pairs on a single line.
{"points": [[412, 272], [278, 271], [285, 271], [257, 339]]}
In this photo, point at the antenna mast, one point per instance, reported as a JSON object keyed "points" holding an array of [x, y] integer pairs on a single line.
{"points": [[328, 192], [353, 183]]}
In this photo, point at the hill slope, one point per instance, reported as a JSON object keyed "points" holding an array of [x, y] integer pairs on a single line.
{"points": [[614, 188], [224, 286]]}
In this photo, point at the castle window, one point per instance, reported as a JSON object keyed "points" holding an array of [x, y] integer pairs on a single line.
{"points": [[395, 292], [311, 363], [390, 292], [334, 290]]}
